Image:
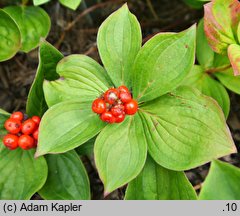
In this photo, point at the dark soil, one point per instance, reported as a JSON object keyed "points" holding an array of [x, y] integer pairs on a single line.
{"points": [[17, 74]]}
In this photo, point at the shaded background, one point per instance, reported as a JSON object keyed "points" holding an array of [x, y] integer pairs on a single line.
{"points": [[74, 32]]}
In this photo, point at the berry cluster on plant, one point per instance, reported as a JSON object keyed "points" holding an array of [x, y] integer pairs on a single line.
{"points": [[23, 132], [115, 104]]}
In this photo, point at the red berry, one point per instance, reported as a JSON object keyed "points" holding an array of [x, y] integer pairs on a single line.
{"points": [[123, 89], [120, 118], [107, 117], [10, 141], [125, 97], [36, 119], [117, 110], [99, 106], [17, 116], [131, 107], [111, 95], [26, 142], [28, 127], [13, 126], [35, 134]]}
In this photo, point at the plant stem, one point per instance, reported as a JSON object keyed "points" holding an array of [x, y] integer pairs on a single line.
{"points": [[219, 69], [24, 2]]}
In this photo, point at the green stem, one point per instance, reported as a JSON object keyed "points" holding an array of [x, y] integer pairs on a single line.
{"points": [[219, 69]]}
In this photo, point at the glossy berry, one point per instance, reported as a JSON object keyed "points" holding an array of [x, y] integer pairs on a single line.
{"points": [[117, 110], [125, 97], [10, 141], [123, 89], [35, 134], [26, 142], [28, 127], [17, 116], [99, 106], [131, 107], [120, 118], [36, 119], [13, 126], [108, 117], [111, 95]]}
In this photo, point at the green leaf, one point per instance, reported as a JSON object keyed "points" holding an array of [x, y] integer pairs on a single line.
{"points": [[72, 4], [39, 2], [3, 117], [67, 178], [119, 41], [163, 62], [87, 147], [205, 54], [66, 126], [120, 152], [10, 39], [48, 59], [229, 80], [185, 129], [197, 4], [158, 183], [80, 77], [221, 20], [234, 57], [33, 23], [21, 174], [222, 182], [208, 86]]}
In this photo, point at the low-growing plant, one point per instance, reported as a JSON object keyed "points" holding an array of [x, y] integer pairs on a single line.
{"points": [[166, 126]]}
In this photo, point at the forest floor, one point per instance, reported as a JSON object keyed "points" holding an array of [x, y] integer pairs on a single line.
{"points": [[75, 32]]}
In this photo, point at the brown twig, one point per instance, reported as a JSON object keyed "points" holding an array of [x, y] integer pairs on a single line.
{"points": [[149, 3], [219, 69], [80, 16]]}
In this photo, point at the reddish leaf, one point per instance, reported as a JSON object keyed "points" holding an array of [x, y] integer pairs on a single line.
{"points": [[234, 57], [220, 23]]}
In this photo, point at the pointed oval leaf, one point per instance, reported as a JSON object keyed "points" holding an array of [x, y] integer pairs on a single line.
{"points": [[80, 77], [221, 20], [66, 126], [208, 86], [157, 183], [163, 62], [222, 182], [67, 178], [185, 129], [234, 57], [21, 174], [120, 152], [119, 40], [10, 39], [39, 2], [33, 23], [48, 59], [229, 80], [72, 4]]}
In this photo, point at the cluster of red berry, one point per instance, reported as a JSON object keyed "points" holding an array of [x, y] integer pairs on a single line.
{"points": [[114, 104], [23, 132]]}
